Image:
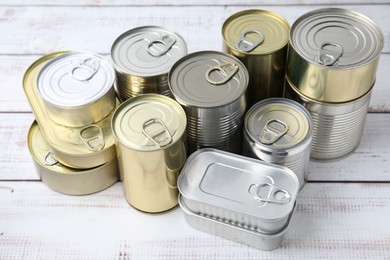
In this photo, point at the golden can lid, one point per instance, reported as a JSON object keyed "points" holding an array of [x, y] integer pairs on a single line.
{"points": [[149, 122], [256, 32]]}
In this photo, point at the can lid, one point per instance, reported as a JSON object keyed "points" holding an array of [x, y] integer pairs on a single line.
{"points": [[256, 32], [239, 184], [75, 79], [278, 124], [147, 51], [336, 37], [208, 79], [148, 122]]}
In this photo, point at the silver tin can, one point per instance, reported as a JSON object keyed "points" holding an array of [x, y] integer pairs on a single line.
{"points": [[279, 131], [211, 87], [246, 192], [77, 83], [334, 54], [149, 132], [337, 127], [142, 58]]}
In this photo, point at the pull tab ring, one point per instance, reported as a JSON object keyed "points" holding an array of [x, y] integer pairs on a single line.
{"points": [[246, 45], [91, 65], [228, 70], [50, 159], [161, 137], [274, 195], [167, 41], [95, 142], [328, 57], [273, 130]]}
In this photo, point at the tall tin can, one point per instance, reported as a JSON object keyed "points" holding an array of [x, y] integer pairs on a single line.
{"points": [[77, 83], [142, 58], [149, 132], [279, 131], [259, 39], [211, 87]]}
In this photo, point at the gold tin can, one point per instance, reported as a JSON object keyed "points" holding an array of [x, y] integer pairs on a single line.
{"points": [[149, 132], [63, 179], [259, 39], [334, 54], [76, 147]]}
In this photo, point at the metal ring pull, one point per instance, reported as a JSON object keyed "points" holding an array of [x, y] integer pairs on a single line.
{"points": [[267, 192], [273, 130], [227, 69], [91, 65], [167, 41], [160, 137], [244, 44], [329, 57], [50, 159], [92, 139]]}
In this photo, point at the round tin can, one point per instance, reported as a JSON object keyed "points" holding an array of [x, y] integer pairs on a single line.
{"points": [[334, 54], [337, 128], [149, 132], [77, 147], [259, 39], [142, 58], [279, 131], [66, 180], [211, 87], [77, 83]]}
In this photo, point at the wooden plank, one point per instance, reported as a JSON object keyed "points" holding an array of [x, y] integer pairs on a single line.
{"points": [[370, 161], [332, 221], [41, 29]]}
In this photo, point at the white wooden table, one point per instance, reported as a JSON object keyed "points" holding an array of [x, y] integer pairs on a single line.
{"points": [[343, 211]]}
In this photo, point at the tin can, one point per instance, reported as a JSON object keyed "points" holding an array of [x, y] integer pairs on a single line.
{"points": [[278, 130], [63, 179], [334, 54], [142, 58], [149, 132], [337, 127], [211, 87], [77, 83], [77, 147], [259, 38], [242, 191]]}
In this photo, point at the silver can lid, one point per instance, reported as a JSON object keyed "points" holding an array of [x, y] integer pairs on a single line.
{"points": [[75, 79], [239, 184], [336, 37], [147, 51], [148, 122], [208, 79], [278, 124]]}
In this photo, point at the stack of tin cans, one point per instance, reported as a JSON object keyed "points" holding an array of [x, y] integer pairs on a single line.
{"points": [[71, 142]]}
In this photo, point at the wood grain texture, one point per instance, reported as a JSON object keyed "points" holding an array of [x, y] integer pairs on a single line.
{"points": [[332, 221]]}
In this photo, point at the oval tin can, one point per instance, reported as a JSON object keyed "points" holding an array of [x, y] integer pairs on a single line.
{"points": [[76, 147], [211, 87], [77, 83], [149, 132], [259, 38], [279, 130], [245, 192], [334, 55], [63, 179], [142, 58]]}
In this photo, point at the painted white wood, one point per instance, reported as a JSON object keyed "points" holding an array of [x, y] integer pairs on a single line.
{"points": [[332, 221]]}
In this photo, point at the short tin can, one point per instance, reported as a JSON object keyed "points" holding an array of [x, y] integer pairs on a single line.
{"points": [[337, 127], [142, 58], [77, 147], [279, 130], [63, 179], [259, 38], [211, 87], [243, 191], [334, 54], [77, 83], [149, 132]]}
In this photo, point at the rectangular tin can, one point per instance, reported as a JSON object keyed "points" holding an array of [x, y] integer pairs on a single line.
{"points": [[243, 191]]}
